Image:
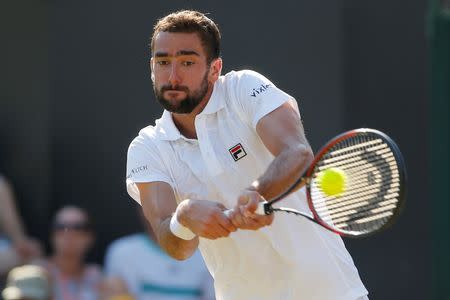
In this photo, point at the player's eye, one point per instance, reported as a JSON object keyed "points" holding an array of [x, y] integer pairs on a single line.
{"points": [[187, 63], [162, 62]]}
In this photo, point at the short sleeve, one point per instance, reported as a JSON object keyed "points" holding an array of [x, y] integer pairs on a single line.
{"points": [[144, 165], [256, 95]]}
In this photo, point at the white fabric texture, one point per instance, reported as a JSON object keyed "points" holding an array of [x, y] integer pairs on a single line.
{"points": [[293, 258]]}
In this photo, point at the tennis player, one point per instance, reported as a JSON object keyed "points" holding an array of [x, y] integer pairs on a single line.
{"points": [[228, 142]]}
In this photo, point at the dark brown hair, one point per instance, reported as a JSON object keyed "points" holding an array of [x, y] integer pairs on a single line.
{"points": [[190, 21]]}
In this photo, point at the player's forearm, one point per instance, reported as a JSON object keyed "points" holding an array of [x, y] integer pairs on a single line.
{"points": [[284, 170], [177, 248]]}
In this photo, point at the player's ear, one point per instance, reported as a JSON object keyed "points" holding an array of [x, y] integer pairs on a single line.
{"points": [[152, 74], [215, 69]]}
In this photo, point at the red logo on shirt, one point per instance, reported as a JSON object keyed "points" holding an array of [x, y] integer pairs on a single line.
{"points": [[237, 152]]}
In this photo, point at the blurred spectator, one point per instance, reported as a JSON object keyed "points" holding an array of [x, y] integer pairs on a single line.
{"points": [[15, 246], [27, 283], [71, 238], [150, 274]]}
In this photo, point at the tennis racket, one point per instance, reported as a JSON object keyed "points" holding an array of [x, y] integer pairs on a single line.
{"points": [[374, 191]]}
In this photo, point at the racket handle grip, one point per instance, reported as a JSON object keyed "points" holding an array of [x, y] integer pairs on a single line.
{"points": [[261, 209]]}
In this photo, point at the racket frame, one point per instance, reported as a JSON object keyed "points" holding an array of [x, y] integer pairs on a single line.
{"points": [[305, 180]]}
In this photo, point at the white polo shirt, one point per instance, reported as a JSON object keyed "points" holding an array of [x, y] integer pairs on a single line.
{"points": [[291, 259]]}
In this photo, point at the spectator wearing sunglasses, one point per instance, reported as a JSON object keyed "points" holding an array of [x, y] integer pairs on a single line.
{"points": [[71, 238]]}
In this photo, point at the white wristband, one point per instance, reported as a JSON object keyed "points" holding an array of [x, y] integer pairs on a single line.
{"points": [[179, 230]]}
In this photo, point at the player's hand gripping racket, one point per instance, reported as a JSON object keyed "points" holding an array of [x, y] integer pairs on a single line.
{"points": [[355, 186]]}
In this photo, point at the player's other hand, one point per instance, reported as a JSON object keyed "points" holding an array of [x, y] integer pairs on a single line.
{"points": [[205, 218], [243, 215]]}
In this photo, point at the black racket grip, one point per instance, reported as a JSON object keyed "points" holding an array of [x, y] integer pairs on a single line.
{"points": [[264, 208]]}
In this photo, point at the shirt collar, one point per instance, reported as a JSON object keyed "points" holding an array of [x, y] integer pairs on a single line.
{"points": [[165, 127], [215, 102]]}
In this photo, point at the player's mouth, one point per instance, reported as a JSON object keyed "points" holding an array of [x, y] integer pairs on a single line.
{"points": [[174, 93]]}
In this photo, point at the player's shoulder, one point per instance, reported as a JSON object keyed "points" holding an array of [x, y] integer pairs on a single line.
{"points": [[246, 82], [245, 74], [149, 136], [155, 134], [146, 134]]}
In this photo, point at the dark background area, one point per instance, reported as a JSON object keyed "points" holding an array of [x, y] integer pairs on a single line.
{"points": [[75, 90]]}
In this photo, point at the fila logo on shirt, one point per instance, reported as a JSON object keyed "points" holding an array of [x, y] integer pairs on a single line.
{"points": [[237, 152], [260, 89]]}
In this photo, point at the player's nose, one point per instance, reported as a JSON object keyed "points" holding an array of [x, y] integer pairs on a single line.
{"points": [[174, 77]]}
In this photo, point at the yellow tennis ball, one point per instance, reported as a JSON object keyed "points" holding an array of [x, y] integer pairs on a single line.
{"points": [[332, 181]]}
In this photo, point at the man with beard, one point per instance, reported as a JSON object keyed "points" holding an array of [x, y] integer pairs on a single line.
{"points": [[228, 142]]}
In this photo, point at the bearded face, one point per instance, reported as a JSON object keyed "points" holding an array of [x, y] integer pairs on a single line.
{"points": [[167, 96]]}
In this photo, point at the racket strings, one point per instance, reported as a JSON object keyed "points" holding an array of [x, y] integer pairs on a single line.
{"points": [[359, 187], [372, 187], [357, 202], [359, 192]]}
